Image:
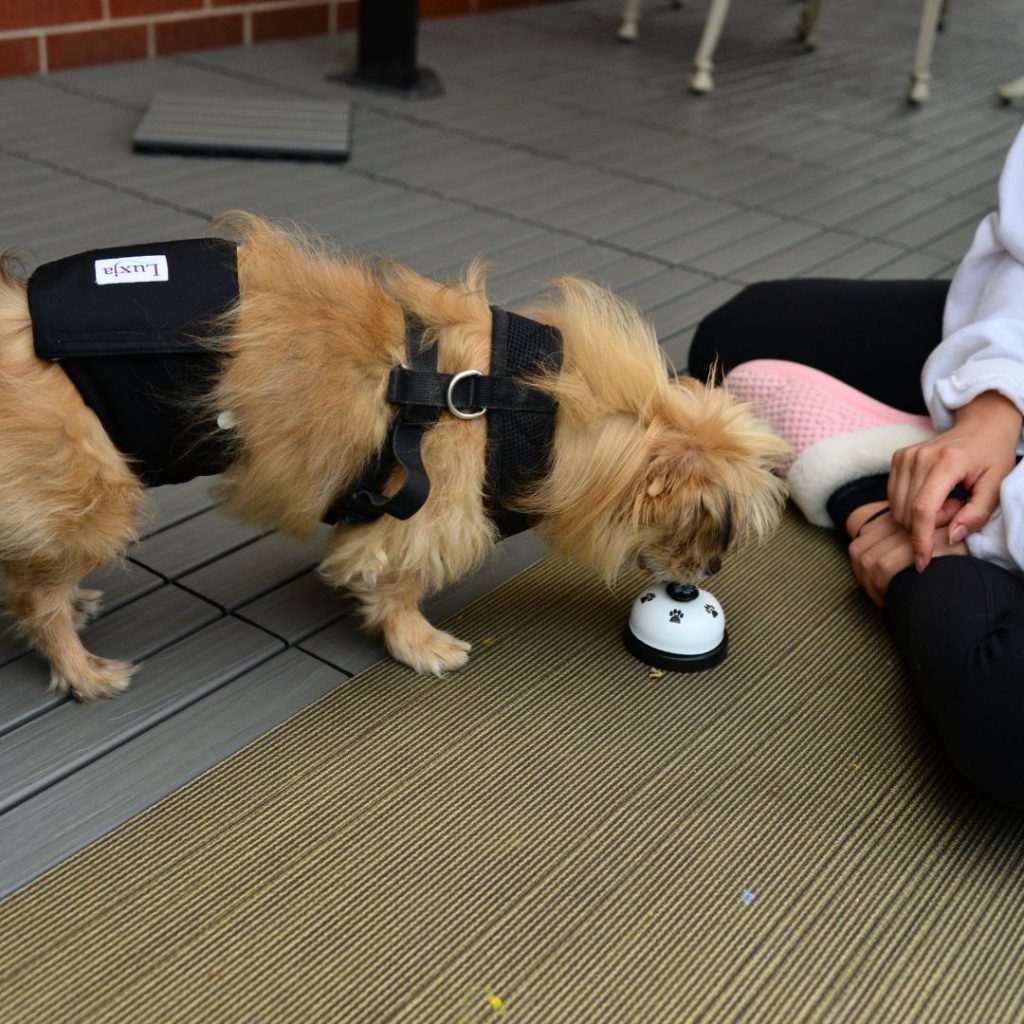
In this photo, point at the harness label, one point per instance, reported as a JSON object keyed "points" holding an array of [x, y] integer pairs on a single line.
{"points": [[131, 270]]}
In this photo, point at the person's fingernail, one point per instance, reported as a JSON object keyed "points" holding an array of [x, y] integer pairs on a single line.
{"points": [[958, 534], [919, 563]]}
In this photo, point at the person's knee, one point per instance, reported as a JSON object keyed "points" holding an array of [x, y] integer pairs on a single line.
{"points": [[960, 626], [726, 336]]}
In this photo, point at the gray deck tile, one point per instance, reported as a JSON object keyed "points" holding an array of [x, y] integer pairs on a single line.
{"points": [[722, 233], [883, 219], [137, 82], [583, 261], [603, 222], [859, 261], [174, 503], [728, 176], [954, 244], [935, 223], [800, 259], [662, 288], [131, 633], [755, 246], [625, 271], [462, 225], [297, 609], [836, 186], [191, 544], [769, 191], [256, 569], [673, 317], [911, 266], [646, 235], [509, 260], [69, 736], [118, 785], [344, 646], [122, 583], [851, 205]]}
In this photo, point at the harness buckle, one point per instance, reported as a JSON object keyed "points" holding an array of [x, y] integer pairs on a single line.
{"points": [[449, 397]]}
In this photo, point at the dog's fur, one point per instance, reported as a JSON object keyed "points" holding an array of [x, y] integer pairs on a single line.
{"points": [[671, 472]]}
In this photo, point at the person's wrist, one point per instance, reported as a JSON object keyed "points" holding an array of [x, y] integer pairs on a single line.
{"points": [[993, 411]]}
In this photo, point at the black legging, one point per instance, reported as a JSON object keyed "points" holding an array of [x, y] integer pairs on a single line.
{"points": [[960, 623]]}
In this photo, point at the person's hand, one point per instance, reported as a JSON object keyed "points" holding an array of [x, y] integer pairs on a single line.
{"points": [[979, 451], [884, 547]]}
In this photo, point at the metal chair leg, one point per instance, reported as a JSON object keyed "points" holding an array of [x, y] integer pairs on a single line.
{"points": [[630, 27], [1010, 91], [807, 28], [703, 63], [920, 81]]}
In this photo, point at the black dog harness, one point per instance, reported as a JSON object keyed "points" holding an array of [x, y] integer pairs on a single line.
{"points": [[520, 422], [131, 326]]}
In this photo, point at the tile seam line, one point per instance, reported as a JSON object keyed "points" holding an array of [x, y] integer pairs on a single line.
{"points": [[110, 186]]}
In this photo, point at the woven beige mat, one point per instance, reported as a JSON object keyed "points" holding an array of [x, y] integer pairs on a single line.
{"points": [[554, 835]]}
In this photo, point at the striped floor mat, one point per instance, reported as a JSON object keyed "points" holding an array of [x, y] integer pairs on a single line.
{"points": [[554, 834]]}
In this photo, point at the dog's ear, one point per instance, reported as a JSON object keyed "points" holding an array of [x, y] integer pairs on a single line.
{"points": [[656, 486], [672, 466]]}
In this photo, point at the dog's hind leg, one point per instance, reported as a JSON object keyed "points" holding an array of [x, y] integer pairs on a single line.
{"points": [[47, 615], [85, 606]]}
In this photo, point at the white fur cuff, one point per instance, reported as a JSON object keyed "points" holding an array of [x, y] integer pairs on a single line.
{"points": [[819, 471]]}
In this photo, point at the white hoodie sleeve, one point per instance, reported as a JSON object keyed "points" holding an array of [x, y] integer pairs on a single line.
{"points": [[983, 348]]}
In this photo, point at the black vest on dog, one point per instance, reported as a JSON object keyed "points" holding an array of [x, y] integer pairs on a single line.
{"points": [[131, 326], [128, 325]]}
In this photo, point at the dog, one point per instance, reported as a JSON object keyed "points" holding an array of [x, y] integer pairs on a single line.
{"points": [[642, 467]]}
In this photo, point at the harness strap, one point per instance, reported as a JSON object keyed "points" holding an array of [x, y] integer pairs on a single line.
{"points": [[366, 503]]}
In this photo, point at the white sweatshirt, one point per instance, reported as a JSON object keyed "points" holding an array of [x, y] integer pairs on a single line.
{"points": [[983, 348]]}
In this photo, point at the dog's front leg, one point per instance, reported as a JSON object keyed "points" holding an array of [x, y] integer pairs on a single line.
{"points": [[390, 605], [393, 607]]}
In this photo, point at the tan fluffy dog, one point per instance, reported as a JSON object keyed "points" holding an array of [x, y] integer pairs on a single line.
{"points": [[670, 472]]}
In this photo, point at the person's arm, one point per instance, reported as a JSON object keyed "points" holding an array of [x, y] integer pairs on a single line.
{"points": [[978, 452], [973, 385]]}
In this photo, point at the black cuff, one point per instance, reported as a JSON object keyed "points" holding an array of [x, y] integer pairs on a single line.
{"points": [[855, 494]]}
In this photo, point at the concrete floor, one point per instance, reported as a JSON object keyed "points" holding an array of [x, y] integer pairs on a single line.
{"points": [[554, 149]]}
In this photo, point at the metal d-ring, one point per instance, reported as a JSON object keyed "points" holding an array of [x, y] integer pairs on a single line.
{"points": [[451, 391]]}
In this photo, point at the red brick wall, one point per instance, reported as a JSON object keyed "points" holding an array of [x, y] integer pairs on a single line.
{"points": [[47, 35]]}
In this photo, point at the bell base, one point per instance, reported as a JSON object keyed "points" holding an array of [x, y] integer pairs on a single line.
{"points": [[675, 662]]}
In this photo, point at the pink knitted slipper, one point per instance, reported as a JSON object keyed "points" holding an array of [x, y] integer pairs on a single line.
{"points": [[837, 434]]}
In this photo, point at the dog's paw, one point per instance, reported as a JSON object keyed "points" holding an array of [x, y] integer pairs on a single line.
{"points": [[428, 650], [85, 606], [98, 677]]}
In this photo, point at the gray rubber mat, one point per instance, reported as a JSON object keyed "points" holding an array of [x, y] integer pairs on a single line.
{"points": [[296, 129]]}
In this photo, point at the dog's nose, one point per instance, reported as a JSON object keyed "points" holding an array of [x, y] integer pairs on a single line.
{"points": [[713, 566]]}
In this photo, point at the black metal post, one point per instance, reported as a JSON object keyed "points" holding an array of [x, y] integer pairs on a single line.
{"points": [[388, 32]]}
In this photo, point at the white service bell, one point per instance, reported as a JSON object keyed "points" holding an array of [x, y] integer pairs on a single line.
{"points": [[677, 626]]}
